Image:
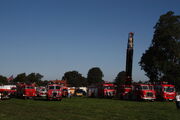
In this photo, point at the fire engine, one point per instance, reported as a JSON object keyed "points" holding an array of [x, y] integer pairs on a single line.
{"points": [[41, 91], [54, 92], [165, 91], [7, 91], [102, 90], [124, 91], [26, 90], [143, 92]]}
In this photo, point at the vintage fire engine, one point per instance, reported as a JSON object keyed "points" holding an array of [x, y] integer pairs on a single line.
{"points": [[41, 91], [102, 90], [165, 91], [26, 90], [124, 91], [54, 92], [143, 92], [7, 91]]}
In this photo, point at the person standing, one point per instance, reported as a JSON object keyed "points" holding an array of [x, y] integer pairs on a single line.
{"points": [[0, 95], [69, 93], [178, 100]]}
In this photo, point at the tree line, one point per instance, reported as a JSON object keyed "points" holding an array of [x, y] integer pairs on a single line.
{"points": [[73, 78]]}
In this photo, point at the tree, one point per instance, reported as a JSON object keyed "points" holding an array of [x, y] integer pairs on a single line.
{"points": [[3, 80], [149, 64], [94, 76], [34, 78], [74, 79], [20, 78], [120, 78], [31, 78], [43, 83], [162, 60]]}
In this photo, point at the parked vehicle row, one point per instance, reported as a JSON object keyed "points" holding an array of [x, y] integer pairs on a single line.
{"points": [[163, 92], [30, 91], [151, 92]]}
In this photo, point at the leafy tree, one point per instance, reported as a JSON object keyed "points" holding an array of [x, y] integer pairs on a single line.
{"points": [[149, 64], [3, 80], [43, 82], [94, 76], [34, 78], [20, 78], [74, 79], [162, 60], [120, 78], [31, 78]]}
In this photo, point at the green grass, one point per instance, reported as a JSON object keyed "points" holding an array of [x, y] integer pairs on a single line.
{"points": [[87, 109]]}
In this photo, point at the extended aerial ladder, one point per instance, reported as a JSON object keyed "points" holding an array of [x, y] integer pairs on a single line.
{"points": [[125, 90], [129, 59]]}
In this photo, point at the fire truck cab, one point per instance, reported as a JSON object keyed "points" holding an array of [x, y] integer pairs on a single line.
{"points": [[26, 90], [6, 91], [125, 91], [41, 91], [165, 92], [54, 92], [143, 92], [102, 90]]}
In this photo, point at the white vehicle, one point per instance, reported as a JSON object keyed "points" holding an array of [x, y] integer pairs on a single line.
{"points": [[41, 91], [6, 91]]}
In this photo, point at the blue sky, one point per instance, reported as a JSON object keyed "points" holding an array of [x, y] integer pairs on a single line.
{"points": [[52, 37]]}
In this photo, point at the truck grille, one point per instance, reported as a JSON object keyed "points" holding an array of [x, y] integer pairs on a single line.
{"points": [[149, 94], [54, 94], [110, 93]]}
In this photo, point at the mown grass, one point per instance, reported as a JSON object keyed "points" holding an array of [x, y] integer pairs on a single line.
{"points": [[87, 109]]}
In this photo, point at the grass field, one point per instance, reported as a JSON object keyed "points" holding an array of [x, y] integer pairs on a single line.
{"points": [[87, 109]]}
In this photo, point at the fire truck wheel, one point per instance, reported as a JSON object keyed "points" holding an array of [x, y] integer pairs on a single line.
{"points": [[139, 98], [34, 98], [162, 99]]}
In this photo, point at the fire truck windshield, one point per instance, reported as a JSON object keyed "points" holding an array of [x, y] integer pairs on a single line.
{"points": [[169, 89], [54, 87], [29, 87], [144, 88], [43, 89], [108, 87]]}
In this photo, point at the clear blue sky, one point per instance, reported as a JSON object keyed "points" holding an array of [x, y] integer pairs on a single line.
{"points": [[52, 37]]}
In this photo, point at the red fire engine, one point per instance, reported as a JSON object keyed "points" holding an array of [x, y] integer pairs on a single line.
{"points": [[26, 90], [165, 91], [7, 91], [102, 90], [41, 91], [143, 92], [54, 92], [124, 91]]}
